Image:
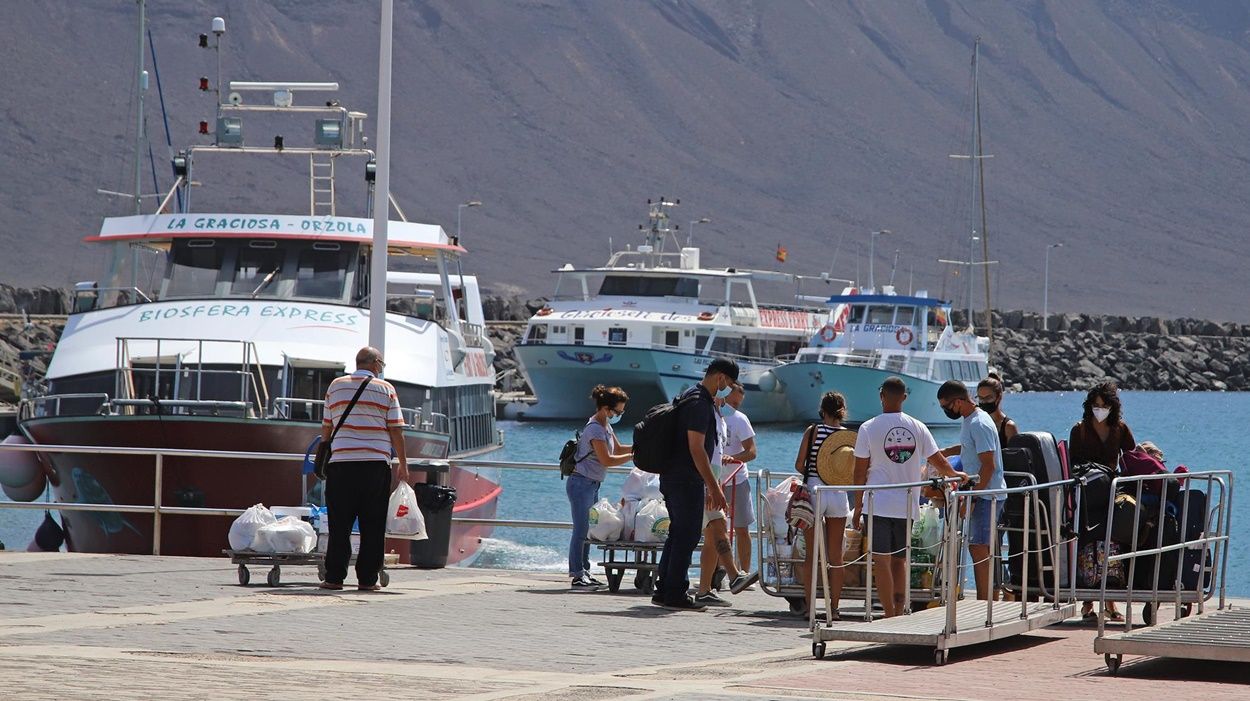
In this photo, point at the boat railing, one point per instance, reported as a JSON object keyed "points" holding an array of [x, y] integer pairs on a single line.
{"points": [[473, 334], [50, 405]]}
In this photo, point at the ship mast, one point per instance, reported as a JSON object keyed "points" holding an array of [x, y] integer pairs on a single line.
{"points": [[979, 165], [141, 81]]}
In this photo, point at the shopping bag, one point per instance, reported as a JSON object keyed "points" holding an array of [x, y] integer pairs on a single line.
{"points": [[243, 530], [286, 535], [403, 516], [651, 525], [605, 522]]}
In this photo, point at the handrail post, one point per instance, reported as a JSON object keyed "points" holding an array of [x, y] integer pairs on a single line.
{"points": [[868, 566], [156, 503]]}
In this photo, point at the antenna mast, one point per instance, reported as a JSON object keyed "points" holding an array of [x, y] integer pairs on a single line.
{"points": [[141, 78]]}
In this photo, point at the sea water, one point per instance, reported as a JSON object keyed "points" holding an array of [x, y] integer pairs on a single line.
{"points": [[1199, 430]]}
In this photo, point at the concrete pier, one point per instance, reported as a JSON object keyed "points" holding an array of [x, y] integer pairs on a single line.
{"points": [[75, 626]]}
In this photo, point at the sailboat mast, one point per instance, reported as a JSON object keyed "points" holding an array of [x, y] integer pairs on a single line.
{"points": [[142, 84], [980, 166]]}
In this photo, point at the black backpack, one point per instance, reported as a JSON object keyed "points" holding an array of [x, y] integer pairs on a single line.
{"points": [[655, 437], [568, 455]]}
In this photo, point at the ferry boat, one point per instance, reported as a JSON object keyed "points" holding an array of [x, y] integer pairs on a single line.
{"points": [[650, 321], [247, 319], [869, 337]]}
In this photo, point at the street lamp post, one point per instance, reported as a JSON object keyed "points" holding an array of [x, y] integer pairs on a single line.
{"points": [[872, 248], [1046, 288], [690, 234], [460, 210]]}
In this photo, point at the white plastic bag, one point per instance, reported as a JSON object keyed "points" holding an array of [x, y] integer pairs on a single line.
{"points": [[286, 535], [403, 516], [629, 512], [651, 525], [244, 528], [926, 531], [605, 522], [641, 486], [775, 502]]}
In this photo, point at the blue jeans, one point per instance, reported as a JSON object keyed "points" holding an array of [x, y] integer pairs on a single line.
{"points": [[684, 499], [979, 521], [583, 493]]}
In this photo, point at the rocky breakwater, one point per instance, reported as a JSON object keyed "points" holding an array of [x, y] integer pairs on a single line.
{"points": [[28, 333], [1139, 353], [506, 317]]}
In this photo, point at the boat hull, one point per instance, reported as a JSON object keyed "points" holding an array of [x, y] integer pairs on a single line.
{"points": [[562, 376], [209, 482], [804, 384]]}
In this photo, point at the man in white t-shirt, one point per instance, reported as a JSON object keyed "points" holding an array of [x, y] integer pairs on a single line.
{"points": [[739, 450], [893, 448]]}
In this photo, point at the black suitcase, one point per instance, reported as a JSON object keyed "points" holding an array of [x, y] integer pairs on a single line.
{"points": [[1144, 570], [1095, 493], [1045, 465], [1196, 520]]}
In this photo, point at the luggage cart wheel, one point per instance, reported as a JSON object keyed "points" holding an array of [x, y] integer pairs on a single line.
{"points": [[941, 657], [644, 583], [797, 605], [244, 576], [1148, 614], [384, 579], [1113, 662], [1186, 609], [818, 650], [275, 576]]}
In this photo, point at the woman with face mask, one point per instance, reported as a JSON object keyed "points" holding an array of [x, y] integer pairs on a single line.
{"points": [[990, 399], [597, 449], [1101, 436]]}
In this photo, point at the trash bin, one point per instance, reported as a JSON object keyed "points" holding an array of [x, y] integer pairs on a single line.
{"points": [[436, 506]]}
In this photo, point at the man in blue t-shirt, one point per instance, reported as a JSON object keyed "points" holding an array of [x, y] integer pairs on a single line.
{"points": [[682, 484], [982, 458]]}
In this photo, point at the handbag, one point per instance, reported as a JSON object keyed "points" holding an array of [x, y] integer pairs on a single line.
{"points": [[324, 450]]}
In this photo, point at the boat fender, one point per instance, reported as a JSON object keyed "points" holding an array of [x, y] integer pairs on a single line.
{"points": [[828, 333], [49, 536], [904, 336], [768, 382], [21, 475]]}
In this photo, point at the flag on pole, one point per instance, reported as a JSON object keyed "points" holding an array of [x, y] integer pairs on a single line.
{"points": [[782, 253]]}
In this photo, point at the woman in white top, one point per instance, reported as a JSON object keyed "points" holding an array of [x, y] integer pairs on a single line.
{"points": [[833, 505]]}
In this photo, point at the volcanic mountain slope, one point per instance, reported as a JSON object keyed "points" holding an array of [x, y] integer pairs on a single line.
{"points": [[1116, 126]]}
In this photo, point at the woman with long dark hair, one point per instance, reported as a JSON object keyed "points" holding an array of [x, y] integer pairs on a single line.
{"points": [[597, 450], [833, 509]]}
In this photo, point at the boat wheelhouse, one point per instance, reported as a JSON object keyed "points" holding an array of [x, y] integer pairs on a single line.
{"points": [[869, 337], [650, 321]]}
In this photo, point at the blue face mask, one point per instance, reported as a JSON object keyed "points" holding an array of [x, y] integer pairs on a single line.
{"points": [[723, 392], [614, 419], [725, 410]]}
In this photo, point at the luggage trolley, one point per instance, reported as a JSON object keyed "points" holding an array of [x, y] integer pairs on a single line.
{"points": [[779, 572], [954, 624], [1222, 634]]}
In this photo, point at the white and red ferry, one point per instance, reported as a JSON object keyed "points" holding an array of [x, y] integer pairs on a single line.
{"points": [[221, 331]]}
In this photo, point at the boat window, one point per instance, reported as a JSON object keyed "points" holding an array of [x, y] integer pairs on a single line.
{"points": [[894, 363], [257, 271], [672, 339], [918, 366], [618, 336], [880, 315], [700, 342], [643, 286], [905, 316], [537, 334], [321, 271], [579, 335], [857, 314], [193, 268]]}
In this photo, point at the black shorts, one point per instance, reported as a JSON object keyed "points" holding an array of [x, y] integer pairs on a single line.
{"points": [[889, 536]]}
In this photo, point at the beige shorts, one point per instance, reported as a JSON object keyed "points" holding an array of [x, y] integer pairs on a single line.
{"points": [[710, 515]]}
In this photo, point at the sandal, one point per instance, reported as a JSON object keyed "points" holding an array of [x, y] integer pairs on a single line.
{"points": [[1114, 616]]}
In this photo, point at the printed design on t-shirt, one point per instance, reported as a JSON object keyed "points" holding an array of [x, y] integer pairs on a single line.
{"points": [[900, 444]]}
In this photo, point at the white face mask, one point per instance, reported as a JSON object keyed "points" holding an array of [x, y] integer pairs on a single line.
{"points": [[1101, 413]]}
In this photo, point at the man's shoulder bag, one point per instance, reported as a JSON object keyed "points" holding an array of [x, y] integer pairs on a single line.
{"points": [[325, 449]]}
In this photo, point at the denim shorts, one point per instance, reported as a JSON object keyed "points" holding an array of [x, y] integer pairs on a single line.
{"points": [[979, 521]]}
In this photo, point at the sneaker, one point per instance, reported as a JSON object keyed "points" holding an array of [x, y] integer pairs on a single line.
{"points": [[742, 581], [657, 600], [710, 599], [593, 581], [686, 604], [584, 583]]}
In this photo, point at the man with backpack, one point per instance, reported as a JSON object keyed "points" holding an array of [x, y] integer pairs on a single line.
{"points": [[683, 481]]}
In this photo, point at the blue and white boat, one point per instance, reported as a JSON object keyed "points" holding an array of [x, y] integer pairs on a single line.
{"points": [[870, 337]]}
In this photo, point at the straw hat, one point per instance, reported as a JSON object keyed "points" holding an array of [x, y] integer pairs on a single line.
{"points": [[835, 462]]}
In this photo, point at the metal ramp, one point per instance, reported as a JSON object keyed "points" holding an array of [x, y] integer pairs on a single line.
{"points": [[928, 628], [958, 623], [1221, 635]]}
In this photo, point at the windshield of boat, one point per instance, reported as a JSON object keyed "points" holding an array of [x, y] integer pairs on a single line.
{"points": [[647, 286], [260, 269]]}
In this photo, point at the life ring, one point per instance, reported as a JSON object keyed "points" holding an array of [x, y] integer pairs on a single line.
{"points": [[904, 336], [828, 333], [706, 316], [545, 311]]}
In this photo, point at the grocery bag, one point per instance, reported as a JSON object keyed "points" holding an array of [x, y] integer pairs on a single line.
{"points": [[403, 516], [651, 524], [775, 502], [244, 528], [286, 535], [629, 512], [641, 486], [605, 522]]}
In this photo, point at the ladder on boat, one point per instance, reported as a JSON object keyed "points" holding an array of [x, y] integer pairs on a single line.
{"points": [[321, 184]]}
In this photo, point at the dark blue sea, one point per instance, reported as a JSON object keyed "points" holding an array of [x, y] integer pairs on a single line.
{"points": [[1199, 430]]}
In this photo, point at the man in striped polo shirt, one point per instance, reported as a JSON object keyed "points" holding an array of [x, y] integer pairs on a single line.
{"points": [[358, 478]]}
